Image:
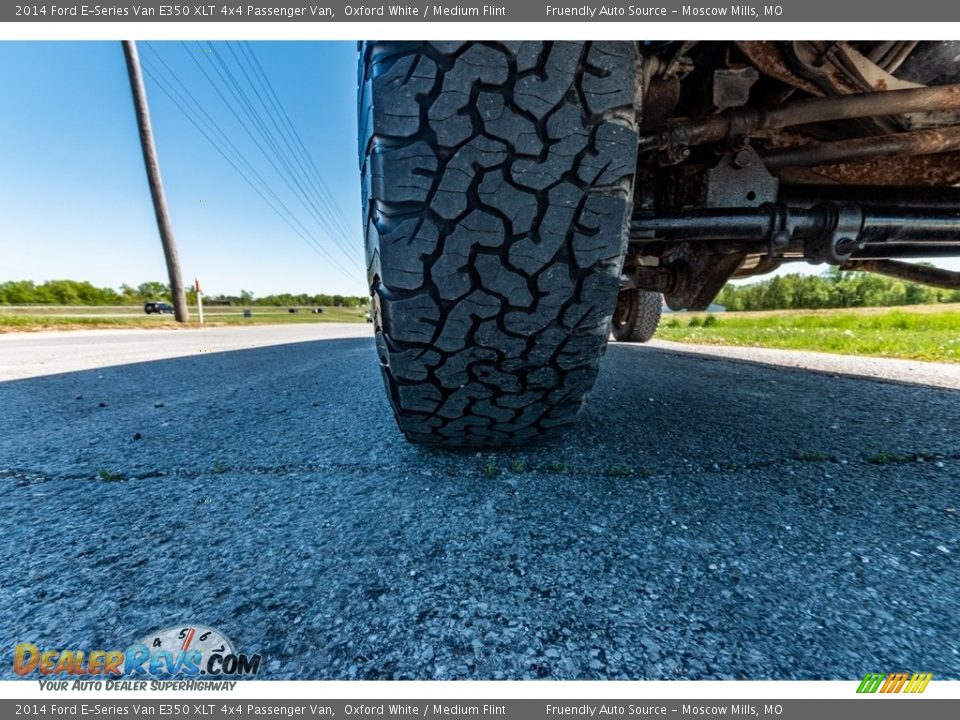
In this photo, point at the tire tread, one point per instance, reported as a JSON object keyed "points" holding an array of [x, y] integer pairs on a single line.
{"points": [[497, 180]]}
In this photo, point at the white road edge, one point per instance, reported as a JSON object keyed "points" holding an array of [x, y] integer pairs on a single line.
{"points": [[944, 375], [35, 354]]}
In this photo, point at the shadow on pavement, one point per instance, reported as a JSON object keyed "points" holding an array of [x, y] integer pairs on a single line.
{"points": [[704, 519]]}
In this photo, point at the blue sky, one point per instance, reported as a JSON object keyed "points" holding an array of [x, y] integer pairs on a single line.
{"points": [[74, 201]]}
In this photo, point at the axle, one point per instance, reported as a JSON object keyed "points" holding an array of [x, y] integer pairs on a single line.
{"points": [[826, 232]]}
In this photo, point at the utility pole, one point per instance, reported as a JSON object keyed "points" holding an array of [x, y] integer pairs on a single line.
{"points": [[181, 313]]}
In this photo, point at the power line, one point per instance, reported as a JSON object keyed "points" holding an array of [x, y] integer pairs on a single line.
{"points": [[286, 215], [337, 230], [246, 105], [197, 105], [334, 229], [233, 110], [301, 231], [324, 191]]}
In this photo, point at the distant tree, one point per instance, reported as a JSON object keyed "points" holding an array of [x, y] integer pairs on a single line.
{"points": [[812, 292], [19, 292], [128, 295], [730, 298], [834, 288], [154, 291], [75, 292]]}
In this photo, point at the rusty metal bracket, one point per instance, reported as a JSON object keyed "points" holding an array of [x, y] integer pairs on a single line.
{"points": [[676, 138]]}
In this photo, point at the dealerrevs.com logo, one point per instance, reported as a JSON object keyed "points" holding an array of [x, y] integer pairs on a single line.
{"points": [[182, 651]]}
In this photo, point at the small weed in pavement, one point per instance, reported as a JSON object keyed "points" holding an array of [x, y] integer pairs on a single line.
{"points": [[618, 471], [518, 466], [885, 458], [108, 476], [558, 467], [491, 470]]}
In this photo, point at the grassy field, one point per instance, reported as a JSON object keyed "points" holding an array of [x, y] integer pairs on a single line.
{"points": [[922, 332], [49, 317]]}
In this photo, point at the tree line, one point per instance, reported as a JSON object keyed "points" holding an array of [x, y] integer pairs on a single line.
{"points": [[834, 288], [75, 292]]}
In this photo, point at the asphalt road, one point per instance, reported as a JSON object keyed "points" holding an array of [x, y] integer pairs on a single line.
{"points": [[710, 517]]}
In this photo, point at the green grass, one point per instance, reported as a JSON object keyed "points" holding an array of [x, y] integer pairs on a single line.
{"points": [[918, 334], [108, 476], [518, 466], [811, 456], [491, 469], [885, 458], [13, 318]]}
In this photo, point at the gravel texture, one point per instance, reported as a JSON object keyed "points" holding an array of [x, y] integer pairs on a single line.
{"points": [[706, 518]]}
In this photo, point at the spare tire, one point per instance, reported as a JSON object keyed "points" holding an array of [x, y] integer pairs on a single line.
{"points": [[497, 184]]}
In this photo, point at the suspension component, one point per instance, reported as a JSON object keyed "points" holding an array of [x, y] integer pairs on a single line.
{"points": [[827, 232], [936, 277], [918, 142], [677, 136]]}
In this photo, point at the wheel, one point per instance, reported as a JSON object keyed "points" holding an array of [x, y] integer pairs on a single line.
{"points": [[497, 180], [637, 315]]}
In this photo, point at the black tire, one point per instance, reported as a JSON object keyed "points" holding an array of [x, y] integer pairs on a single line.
{"points": [[497, 180], [637, 315]]}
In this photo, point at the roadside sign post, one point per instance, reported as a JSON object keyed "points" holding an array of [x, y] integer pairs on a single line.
{"points": [[196, 286]]}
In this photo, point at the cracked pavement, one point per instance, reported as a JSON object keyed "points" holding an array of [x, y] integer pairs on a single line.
{"points": [[708, 517]]}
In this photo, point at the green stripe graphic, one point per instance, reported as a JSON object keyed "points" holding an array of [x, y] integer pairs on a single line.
{"points": [[870, 683]]}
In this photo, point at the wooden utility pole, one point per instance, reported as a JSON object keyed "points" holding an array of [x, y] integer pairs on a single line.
{"points": [[181, 313]]}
